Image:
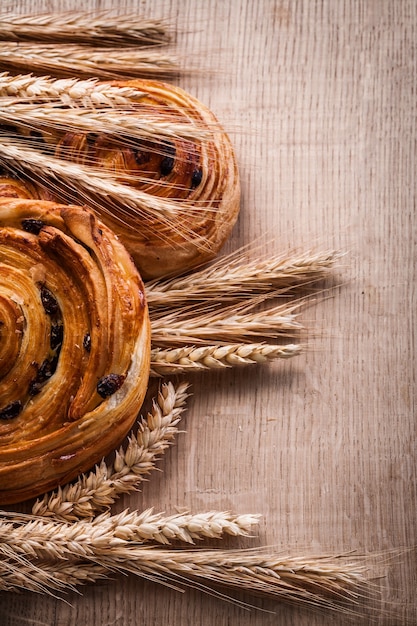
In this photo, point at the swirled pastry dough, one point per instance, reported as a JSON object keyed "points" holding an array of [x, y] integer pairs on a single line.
{"points": [[204, 174], [74, 344]]}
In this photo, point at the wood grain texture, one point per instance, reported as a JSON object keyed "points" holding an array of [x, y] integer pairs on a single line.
{"points": [[320, 99]]}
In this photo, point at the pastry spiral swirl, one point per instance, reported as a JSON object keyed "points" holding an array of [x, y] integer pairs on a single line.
{"points": [[74, 344], [195, 180]]}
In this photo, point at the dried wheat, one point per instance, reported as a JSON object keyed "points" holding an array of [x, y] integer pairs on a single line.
{"points": [[103, 29], [40, 538], [186, 359], [109, 541], [132, 124], [86, 61], [31, 538], [98, 489], [69, 91], [129, 124], [94, 186], [239, 323], [18, 573], [236, 276]]}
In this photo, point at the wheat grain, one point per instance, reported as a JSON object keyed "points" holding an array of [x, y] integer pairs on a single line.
{"points": [[18, 573], [98, 489], [105, 28], [188, 527], [40, 538], [46, 538], [186, 359], [73, 60], [236, 276], [69, 91]]}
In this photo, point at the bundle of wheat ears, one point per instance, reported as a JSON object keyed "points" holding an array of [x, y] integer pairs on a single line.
{"points": [[231, 312]]}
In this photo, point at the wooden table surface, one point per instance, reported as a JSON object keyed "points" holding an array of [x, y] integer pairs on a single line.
{"points": [[319, 97]]}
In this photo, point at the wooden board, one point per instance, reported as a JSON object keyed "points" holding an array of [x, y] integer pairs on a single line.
{"points": [[319, 98]]}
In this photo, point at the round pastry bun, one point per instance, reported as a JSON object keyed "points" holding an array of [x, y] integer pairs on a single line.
{"points": [[196, 181], [74, 344]]}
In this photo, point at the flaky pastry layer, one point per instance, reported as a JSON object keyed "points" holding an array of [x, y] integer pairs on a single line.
{"points": [[74, 344]]}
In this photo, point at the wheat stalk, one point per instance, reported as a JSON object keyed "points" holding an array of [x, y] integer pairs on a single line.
{"points": [[86, 61], [18, 573], [96, 187], [40, 538], [29, 539], [69, 91], [235, 276], [186, 359], [110, 542], [103, 29], [98, 489], [190, 528], [130, 526], [238, 323], [130, 124]]}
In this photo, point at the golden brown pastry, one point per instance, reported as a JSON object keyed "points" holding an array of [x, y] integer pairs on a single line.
{"points": [[74, 344], [199, 177]]}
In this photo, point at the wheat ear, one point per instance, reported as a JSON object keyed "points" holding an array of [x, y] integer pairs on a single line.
{"points": [[187, 359], [96, 187], [98, 489], [69, 91], [235, 276], [133, 124], [130, 124], [40, 538], [76, 60], [105, 28], [239, 323], [105, 541], [18, 573], [140, 527]]}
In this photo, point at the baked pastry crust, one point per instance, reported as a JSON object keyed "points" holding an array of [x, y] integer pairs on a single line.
{"points": [[204, 174], [199, 177], [74, 344]]}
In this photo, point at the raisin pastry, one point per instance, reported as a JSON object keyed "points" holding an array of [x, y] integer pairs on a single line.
{"points": [[74, 344], [196, 180]]}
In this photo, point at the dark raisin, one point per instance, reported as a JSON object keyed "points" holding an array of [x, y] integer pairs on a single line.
{"points": [[57, 336], [33, 226], [87, 342], [141, 157], [108, 385], [49, 302], [11, 410], [36, 134], [196, 178], [91, 139], [45, 371], [167, 165], [34, 387]]}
